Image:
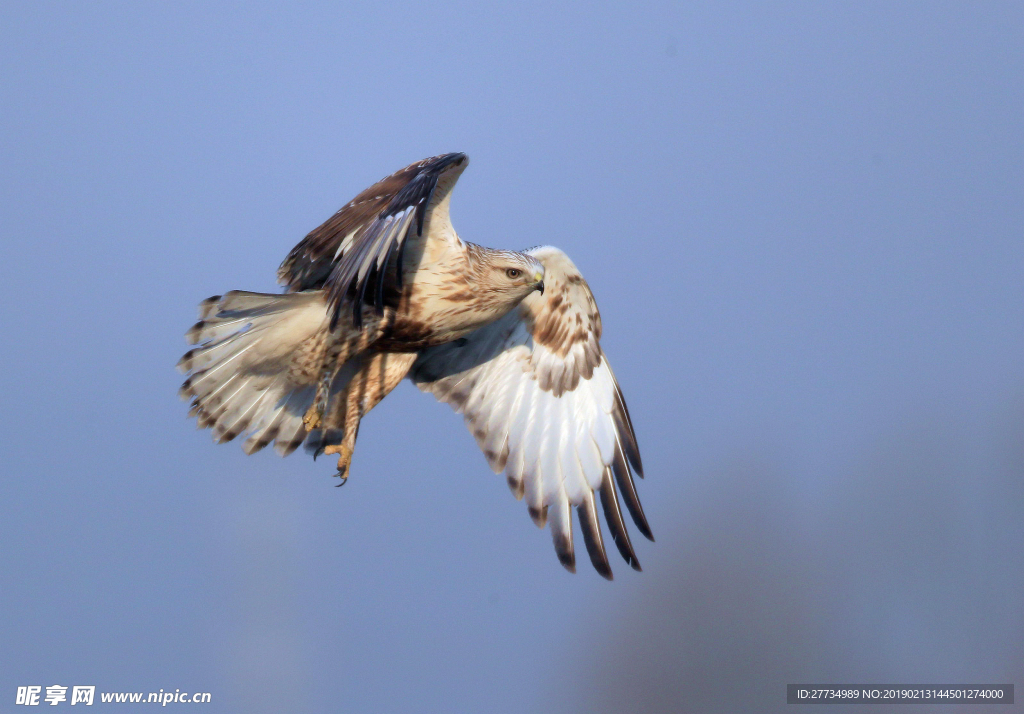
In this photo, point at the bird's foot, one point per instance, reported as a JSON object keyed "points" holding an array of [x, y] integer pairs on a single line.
{"points": [[314, 417], [344, 460]]}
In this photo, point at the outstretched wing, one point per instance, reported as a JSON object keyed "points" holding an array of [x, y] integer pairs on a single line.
{"points": [[539, 395], [356, 255]]}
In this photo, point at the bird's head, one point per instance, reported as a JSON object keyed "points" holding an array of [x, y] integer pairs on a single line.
{"points": [[517, 274], [500, 281]]}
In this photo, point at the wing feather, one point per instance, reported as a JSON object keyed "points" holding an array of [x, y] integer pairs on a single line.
{"points": [[591, 528], [628, 489], [574, 480], [561, 533], [527, 445], [617, 526], [515, 465], [358, 252], [624, 428], [539, 397]]}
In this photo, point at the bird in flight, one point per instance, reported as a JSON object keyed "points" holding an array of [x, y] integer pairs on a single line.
{"points": [[386, 289]]}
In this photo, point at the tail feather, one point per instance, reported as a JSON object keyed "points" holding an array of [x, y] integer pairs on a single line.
{"points": [[292, 432], [211, 352], [238, 413], [267, 427], [247, 371]]}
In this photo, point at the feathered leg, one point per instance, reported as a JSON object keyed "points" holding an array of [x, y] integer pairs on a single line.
{"points": [[314, 415], [335, 357], [378, 374]]}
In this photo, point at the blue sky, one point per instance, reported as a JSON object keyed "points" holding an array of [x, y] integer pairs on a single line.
{"points": [[802, 224]]}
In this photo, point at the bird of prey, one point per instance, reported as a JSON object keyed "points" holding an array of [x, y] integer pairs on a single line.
{"points": [[386, 289]]}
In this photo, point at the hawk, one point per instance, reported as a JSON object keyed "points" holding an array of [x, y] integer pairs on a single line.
{"points": [[386, 289]]}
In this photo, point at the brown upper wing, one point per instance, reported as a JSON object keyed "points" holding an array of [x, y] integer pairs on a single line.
{"points": [[356, 255]]}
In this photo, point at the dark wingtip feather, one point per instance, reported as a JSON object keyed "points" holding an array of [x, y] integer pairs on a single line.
{"points": [[633, 455], [564, 550], [539, 515], [591, 529], [624, 426], [616, 525], [516, 487], [628, 489]]}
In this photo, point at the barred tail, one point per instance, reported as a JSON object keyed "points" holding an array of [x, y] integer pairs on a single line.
{"points": [[253, 368]]}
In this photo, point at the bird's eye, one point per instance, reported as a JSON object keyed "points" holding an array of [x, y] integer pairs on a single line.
{"points": [[513, 273]]}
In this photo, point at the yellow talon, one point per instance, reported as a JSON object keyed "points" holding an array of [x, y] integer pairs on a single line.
{"points": [[313, 418], [344, 457]]}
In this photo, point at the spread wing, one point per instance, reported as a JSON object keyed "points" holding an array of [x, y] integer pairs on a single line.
{"points": [[356, 255], [542, 402]]}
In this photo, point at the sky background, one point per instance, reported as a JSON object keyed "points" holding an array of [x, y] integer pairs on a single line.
{"points": [[802, 224]]}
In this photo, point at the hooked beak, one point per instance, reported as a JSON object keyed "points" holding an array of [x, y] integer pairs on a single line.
{"points": [[540, 287]]}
